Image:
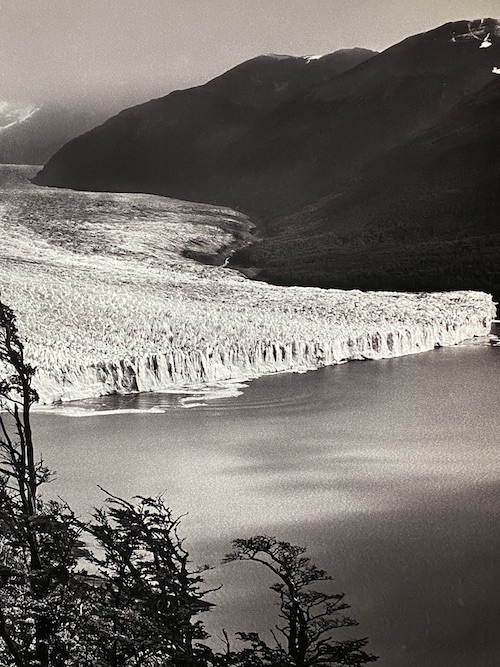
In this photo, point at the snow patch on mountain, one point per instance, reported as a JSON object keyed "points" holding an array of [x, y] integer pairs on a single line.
{"points": [[11, 114], [311, 58]]}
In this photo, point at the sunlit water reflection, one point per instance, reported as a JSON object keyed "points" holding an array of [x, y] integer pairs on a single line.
{"points": [[387, 471]]}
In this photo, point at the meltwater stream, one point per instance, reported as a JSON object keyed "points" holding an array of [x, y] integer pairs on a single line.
{"points": [[388, 472]]}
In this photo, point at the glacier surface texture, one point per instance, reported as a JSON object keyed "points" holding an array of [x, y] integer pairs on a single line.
{"points": [[107, 302]]}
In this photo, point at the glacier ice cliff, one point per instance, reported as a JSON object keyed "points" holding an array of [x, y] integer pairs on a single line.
{"points": [[440, 320], [107, 303]]}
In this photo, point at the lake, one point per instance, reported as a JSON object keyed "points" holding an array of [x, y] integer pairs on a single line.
{"points": [[387, 471]]}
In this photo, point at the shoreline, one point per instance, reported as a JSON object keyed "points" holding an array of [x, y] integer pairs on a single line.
{"points": [[218, 368], [198, 396]]}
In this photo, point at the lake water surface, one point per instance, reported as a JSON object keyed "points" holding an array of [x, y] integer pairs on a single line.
{"points": [[387, 471]]}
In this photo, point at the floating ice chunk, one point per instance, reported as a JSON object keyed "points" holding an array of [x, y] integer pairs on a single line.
{"points": [[72, 411]]}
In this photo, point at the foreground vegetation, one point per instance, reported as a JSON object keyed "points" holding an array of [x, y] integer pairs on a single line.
{"points": [[416, 265], [120, 590]]}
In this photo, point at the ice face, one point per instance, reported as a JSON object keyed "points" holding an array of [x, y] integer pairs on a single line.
{"points": [[107, 303]]}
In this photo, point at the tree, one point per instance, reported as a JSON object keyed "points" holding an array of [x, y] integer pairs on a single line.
{"points": [[39, 540], [138, 607], [310, 616], [149, 594]]}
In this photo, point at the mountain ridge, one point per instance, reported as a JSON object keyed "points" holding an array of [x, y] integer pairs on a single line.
{"points": [[291, 156], [37, 131], [194, 125]]}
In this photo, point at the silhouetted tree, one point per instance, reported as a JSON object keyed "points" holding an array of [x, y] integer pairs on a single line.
{"points": [[38, 540], [138, 608], [150, 596], [310, 616]]}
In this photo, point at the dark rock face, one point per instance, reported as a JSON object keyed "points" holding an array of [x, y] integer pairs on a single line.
{"points": [[369, 171]]}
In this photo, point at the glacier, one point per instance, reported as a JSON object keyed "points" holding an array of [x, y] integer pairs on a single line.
{"points": [[108, 303]]}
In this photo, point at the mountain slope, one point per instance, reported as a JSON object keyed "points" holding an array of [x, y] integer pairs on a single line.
{"points": [[424, 216], [179, 142], [380, 173], [308, 146]]}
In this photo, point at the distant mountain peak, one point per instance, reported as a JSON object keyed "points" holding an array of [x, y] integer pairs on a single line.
{"points": [[275, 56], [12, 114], [283, 56]]}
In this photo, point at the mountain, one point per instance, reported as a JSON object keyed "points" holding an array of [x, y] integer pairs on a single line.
{"points": [[424, 216], [309, 146], [31, 134], [13, 114], [178, 145], [379, 173]]}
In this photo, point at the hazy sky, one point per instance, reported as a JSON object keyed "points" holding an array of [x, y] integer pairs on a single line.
{"points": [[137, 49]]}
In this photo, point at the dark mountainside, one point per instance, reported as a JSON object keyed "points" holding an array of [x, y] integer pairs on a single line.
{"points": [[376, 174], [424, 216], [178, 145]]}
